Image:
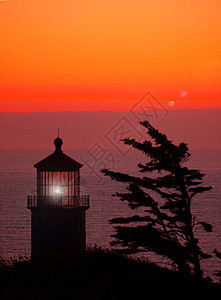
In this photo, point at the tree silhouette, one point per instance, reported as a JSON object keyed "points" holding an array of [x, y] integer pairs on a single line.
{"points": [[218, 255], [167, 224]]}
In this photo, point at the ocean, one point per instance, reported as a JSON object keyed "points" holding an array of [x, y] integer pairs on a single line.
{"points": [[18, 179]]}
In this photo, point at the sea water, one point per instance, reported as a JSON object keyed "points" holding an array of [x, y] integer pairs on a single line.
{"points": [[18, 179]]}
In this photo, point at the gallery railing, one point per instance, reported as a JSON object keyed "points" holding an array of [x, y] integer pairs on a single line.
{"points": [[49, 201]]}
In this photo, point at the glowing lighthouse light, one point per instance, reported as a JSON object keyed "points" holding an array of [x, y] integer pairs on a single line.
{"points": [[57, 190]]}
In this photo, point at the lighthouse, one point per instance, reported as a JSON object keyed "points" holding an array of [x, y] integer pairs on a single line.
{"points": [[58, 209]]}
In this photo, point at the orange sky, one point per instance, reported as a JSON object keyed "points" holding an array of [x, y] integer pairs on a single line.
{"points": [[104, 55]]}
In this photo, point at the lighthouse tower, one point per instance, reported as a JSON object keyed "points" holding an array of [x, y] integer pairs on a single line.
{"points": [[58, 209]]}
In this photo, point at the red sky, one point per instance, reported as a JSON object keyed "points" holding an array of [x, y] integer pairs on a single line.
{"points": [[105, 55]]}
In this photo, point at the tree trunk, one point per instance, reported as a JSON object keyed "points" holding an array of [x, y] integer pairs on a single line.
{"points": [[194, 250]]}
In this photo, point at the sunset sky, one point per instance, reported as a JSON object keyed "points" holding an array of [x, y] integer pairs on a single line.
{"points": [[105, 55]]}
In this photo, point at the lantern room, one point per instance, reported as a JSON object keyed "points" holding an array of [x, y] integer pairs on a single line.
{"points": [[58, 181]]}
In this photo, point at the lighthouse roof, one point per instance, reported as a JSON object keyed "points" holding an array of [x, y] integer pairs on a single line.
{"points": [[58, 161]]}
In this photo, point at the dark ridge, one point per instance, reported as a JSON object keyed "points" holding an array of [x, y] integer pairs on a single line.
{"points": [[98, 274]]}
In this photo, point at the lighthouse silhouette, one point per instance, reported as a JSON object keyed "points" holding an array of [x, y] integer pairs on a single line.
{"points": [[58, 210]]}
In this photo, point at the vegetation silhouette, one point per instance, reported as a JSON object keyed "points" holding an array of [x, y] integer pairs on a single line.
{"points": [[218, 273], [166, 225], [97, 274]]}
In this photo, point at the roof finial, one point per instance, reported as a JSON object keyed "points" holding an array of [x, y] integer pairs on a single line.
{"points": [[58, 142]]}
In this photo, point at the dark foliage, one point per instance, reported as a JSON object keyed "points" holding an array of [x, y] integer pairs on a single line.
{"points": [[98, 274], [218, 254], [167, 226]]}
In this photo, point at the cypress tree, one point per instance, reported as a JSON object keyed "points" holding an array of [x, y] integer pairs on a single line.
{"points": [[166, 226]]}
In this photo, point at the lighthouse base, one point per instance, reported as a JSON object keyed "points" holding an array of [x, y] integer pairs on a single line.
{"points": [[57, 230]]}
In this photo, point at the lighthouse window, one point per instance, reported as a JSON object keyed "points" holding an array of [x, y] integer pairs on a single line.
{"points": [[56, 178], [59, 188], [50, 177], [64, 178], [76, 183]]}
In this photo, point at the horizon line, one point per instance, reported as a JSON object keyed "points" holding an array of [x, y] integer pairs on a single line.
{"points": [[104, 111]]}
